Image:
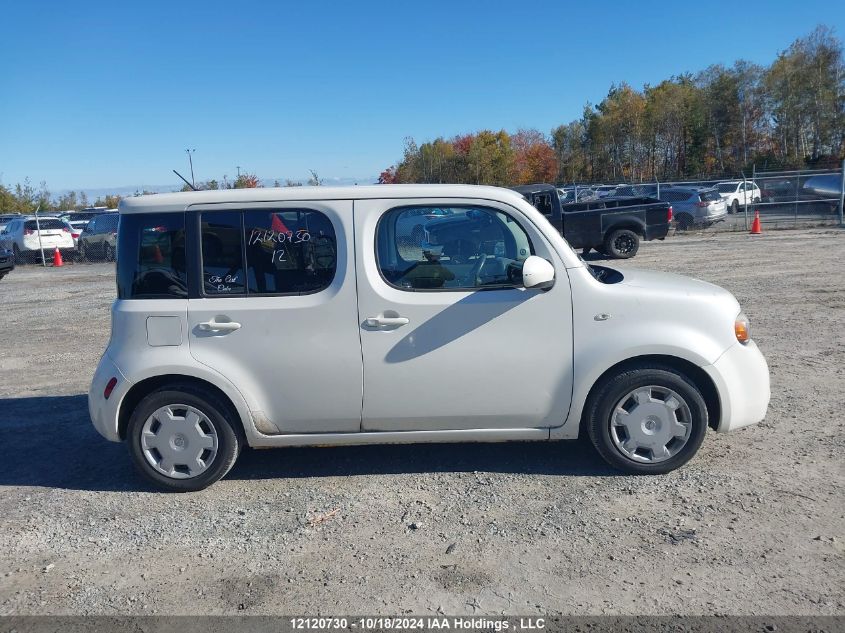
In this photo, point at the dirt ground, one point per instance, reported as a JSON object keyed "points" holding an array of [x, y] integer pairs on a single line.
{"points": [[753, 525]]}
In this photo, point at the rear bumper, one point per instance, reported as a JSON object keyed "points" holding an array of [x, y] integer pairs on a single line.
{"points": [[741, 376], [103, 412]]}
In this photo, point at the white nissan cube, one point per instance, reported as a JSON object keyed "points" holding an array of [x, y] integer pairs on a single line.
{"points": [[313, 316]]}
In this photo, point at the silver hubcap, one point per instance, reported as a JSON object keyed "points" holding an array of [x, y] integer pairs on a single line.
{"points": [[179, 441], [650, 424]]}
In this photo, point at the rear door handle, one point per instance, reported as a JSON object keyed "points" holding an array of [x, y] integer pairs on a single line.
{"points": [[219, 326], [381, 321]]}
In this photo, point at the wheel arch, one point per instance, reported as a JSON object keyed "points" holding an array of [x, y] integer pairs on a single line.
{"points": [[630, 224], [143, 388], [695, 373]]}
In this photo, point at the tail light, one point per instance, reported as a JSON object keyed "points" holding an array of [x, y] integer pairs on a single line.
{"points": [[703, 203], [669, 215], [65, 229], [75, 236], [28, 232]]}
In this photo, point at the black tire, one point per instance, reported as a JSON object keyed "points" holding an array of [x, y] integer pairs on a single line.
{"points": [[229, 436], [83, 255], [600, 408], [108, 253], [683, 221], [734, 207], [622, 244]]}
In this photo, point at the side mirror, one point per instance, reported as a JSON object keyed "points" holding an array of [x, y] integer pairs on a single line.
{"points": [[538, 273]]}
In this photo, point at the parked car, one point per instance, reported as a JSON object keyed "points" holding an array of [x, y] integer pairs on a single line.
{"points": [[736, 193], [695, 206], [99, 239], [613, 226], [825, 188], [21, 236], [414, 223], [291, 317], [6, 218], [605, 190], [7, 261], [642, 191], [778, 190]]}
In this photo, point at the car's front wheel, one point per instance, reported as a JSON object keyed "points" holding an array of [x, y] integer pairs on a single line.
{"points": [[183, 438], [647, 420]]}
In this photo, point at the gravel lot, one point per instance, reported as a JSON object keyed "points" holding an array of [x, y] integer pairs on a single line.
{"points": [[754, 525]]}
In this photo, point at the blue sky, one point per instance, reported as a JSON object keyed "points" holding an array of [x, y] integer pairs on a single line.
{"points": [[101, 94]]}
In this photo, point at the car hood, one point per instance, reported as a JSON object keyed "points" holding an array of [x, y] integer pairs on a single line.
{"points": [[678, 286]]}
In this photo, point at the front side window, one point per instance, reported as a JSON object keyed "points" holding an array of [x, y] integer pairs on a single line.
{"points": [[466, 248], [267, 252], [151, 256]]}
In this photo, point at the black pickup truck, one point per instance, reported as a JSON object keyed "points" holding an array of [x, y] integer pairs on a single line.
{"points": [[613, 225]]}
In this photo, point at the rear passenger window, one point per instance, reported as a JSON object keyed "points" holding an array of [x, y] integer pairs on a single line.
{"points": [[151, 256], [289, 252], [267, 252]]}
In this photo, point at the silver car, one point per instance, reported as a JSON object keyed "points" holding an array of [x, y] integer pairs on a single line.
{"points": [[695, 206]]}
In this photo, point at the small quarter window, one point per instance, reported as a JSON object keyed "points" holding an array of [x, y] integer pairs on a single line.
{"points": [[457, 248]]}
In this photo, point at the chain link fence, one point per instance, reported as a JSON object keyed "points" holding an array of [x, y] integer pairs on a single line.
{"points": [[784, 199]]}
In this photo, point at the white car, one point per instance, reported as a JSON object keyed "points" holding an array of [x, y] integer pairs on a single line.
{"points": [[21, 236], [735, 193], [300, 316]]}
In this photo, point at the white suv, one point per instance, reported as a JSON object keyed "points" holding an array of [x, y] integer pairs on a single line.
{"points": [[306, 316], [735, 193], [21, 236]]}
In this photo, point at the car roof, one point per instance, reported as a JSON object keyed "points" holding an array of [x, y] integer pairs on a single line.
{"points": [[180, 201]]}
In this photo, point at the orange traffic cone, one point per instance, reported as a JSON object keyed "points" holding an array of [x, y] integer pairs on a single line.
{"points": [[57, 258], [755, 225]]}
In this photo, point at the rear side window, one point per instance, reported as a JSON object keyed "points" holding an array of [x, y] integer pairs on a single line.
{"points": [[267, 252], [151, 256], [709, 196], [108, 222]]}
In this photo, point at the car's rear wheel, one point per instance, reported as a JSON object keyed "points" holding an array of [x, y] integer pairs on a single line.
{"points": [[183, 438], [108, 253], [83, 255], [735, 206], [647, 420], [622, 244]]}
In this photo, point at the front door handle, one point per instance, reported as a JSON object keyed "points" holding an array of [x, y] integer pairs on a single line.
{"points": [[383, 321], [219, 326]]}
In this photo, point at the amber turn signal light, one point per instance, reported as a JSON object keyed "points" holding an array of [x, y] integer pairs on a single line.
{"points": [[742, 329]]}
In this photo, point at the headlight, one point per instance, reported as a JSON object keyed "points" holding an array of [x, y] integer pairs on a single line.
{"points": [[742, 328]]}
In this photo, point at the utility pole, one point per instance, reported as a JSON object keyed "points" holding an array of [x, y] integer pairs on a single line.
{"points": [[190, 152], [238, 167]]}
